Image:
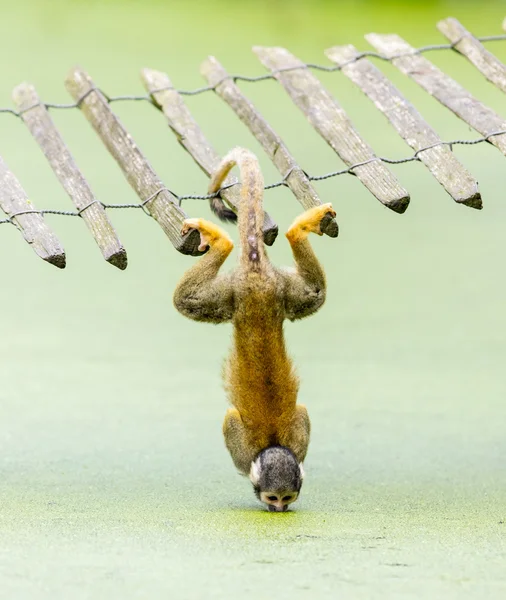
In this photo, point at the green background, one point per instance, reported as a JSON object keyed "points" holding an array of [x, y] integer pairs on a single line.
{"points": [[115, 482]]}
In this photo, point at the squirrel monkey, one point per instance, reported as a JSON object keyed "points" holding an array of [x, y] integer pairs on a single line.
{"points": [[266, 431]]}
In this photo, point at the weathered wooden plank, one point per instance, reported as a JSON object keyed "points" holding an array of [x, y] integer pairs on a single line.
{"points": [[445, 89], [192, 138], [160, 203], [296, 179], [14, 201], [410, 125], [333, 124], [41, 126], [465, 43]]}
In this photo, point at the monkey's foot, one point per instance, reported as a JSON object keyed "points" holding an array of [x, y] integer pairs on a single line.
{"points": [[210, 233], [309, 222]]}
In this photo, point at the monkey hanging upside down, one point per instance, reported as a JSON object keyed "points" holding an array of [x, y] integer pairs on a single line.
{"points": [[266, 431]]}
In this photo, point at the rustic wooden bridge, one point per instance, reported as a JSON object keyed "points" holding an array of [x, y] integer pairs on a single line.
{"points": [[310, 96]]}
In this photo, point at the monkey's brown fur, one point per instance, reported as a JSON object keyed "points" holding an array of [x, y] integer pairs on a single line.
{"points": [[256, 297]]}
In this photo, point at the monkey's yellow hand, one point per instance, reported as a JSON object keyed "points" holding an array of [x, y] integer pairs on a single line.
{"points": [[210, 233], [310, 221]]}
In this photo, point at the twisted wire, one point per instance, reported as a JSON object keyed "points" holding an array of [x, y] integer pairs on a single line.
{"points": [[282, 182], [254, 79]]}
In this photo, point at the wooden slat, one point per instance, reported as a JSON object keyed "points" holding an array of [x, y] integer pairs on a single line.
{"points": [[410, 125], [273, 145], [332, 123], [162, 205], [445, 89], [13, 200], [41, 126], [192, 138], [490, 66]]}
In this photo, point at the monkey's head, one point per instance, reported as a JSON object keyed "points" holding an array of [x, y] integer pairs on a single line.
{"points": [[277, 476]]}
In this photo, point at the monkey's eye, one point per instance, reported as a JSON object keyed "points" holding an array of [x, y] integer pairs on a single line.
{"points": [[287, 498], [272, 498]]}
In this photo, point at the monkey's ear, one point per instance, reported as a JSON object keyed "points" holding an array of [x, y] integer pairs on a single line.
{"points": [[254, 473], [302, 473]]}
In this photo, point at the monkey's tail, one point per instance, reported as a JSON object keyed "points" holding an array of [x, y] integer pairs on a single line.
{"points": [[221, 210], [250, 209]]}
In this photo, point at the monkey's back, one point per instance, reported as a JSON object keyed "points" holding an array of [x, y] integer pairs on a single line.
{"points": [[259, 375]]}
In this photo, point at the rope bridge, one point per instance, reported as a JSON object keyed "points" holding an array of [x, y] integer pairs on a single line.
{"points": [[306, 91]]}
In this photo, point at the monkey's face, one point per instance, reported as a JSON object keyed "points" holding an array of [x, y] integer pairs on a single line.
{"points": [[278, 500], [277, 477]]}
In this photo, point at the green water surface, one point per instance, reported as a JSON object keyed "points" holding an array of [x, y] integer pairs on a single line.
{"points": [[115, 482]]}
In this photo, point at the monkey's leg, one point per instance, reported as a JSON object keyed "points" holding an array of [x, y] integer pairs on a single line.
{"points": [[305, 287], [203, 294], [297, 437], [237, 442]]}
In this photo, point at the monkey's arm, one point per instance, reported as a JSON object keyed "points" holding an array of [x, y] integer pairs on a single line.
{"points": [[203, 294], [297, 436], [305, 287], [237, 442]]}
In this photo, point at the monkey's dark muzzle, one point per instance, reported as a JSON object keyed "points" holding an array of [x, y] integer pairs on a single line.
{"points": [[273, 508]]}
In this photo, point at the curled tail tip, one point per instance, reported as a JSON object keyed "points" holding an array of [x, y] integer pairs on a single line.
{"points": [[237, 153], [222, 211], [238, 150]]}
